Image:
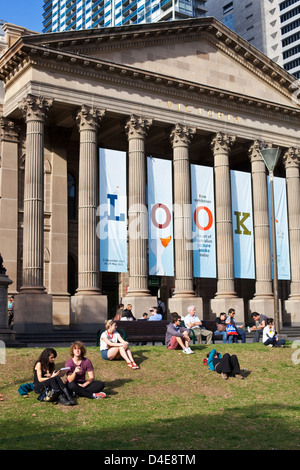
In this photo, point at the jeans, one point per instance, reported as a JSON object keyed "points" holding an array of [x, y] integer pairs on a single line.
{"points": [[224, 335], [275, 343], [242, 335]]}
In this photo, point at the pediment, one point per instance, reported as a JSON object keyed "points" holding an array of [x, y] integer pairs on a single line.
{"points": [[199, 53]]}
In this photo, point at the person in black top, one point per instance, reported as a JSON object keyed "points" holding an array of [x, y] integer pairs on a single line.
{"points": [[221, 330], [46, 377]]}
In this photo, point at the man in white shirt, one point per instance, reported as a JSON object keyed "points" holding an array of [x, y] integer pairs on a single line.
{"points": [[192, 321]]}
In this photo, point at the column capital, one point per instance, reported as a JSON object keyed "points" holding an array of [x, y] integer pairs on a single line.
{"points": [[254, 150], [181, 135], [35, 108], [89, 118], [222, 142], [291, 158], [137, 126]]}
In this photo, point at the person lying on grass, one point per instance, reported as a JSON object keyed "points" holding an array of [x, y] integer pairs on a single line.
{"points": [[112, 345], [79, 366], [226, 365]]}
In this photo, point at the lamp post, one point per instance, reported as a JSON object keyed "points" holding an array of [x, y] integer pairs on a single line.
{"points": [[270, 157]]}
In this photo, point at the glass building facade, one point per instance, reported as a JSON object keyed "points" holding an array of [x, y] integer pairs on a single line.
{"points": [[65, 15]]}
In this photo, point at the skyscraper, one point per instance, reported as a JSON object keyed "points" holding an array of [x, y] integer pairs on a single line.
{"points": [[272, 26], [64, 15]]}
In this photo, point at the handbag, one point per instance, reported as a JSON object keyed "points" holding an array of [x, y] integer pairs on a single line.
{"points": [[221, 327], [231, 330]]}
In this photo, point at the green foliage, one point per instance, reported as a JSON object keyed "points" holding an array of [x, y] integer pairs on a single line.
{"points": [[173, 402]]}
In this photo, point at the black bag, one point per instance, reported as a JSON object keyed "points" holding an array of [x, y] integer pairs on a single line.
{"points": [[48, 395]]}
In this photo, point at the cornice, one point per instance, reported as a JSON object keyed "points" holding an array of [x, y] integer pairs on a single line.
{"points": [[35, 51], [142, 35]]}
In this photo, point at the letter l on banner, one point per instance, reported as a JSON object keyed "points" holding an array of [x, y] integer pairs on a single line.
{"points": [[112, 228]]}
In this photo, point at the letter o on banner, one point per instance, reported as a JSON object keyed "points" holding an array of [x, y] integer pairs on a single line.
{"points": [[153, 214], [210, 218]]}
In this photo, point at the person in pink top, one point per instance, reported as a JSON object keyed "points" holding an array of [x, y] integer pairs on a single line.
{"points": [[81, 375]]}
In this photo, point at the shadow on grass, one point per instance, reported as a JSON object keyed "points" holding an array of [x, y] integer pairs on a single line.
{"points": [[237, 427]]}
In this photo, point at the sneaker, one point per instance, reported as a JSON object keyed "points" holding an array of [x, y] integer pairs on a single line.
{"points": [[190, 350], [99, 395], [185, 351], [224, 376]]}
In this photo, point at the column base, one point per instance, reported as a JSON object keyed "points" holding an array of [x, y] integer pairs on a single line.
{"points": [[181, 304], [88, 312], [265, 306], [61, 310], [140, 304], [220, 305], [33, 313], [7, 335], [291, 313]]}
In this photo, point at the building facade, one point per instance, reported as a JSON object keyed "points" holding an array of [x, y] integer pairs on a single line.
{"points": [[271, 26], [66, 15], [187, 92]]}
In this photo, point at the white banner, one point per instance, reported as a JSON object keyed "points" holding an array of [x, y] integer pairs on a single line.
{"points": [[203, 206], [242, 225], [281, 225], [161, 246], [112, 229]]}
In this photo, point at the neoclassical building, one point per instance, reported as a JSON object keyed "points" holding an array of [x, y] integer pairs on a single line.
{"points": [[191, 92]]}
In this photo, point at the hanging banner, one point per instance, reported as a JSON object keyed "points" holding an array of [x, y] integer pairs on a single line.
{"points": [[203, 206], [281, 225], [159, 196], [112, 229], [242, 225]]}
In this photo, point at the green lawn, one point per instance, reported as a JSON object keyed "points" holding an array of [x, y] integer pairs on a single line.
{"points": [[173, 402]]}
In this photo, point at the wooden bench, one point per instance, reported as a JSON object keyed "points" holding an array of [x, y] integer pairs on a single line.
{"points": [[143, 331]]}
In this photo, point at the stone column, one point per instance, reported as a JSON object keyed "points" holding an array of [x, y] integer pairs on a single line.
{"points": [[292, 305], [9, 162], [138, 293], [34, 110], [184, 294], [88, 306], [33, 309], [263, 299], [226, 296], [88, 120]]}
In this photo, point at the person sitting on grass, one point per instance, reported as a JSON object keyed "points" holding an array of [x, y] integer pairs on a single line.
{"points": [[177, 337], [80, 366], [112, 345], [270, 337], [46, 378], [226, 365]]}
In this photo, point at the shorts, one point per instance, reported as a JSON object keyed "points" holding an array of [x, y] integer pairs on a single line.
{"points": [[174, 344], [104, 354]]}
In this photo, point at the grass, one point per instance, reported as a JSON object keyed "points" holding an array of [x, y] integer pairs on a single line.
{"points": [[173, 402]]}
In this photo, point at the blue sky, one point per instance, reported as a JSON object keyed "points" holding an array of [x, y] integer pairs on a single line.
{"points": [[27, 13]]}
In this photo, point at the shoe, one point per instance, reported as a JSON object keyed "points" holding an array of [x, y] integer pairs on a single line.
{"points": [[69, 397], [239, 376], [99, 395], [190, 350], [134, 365], [185, 351], [224, 376], [63, 400]]}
